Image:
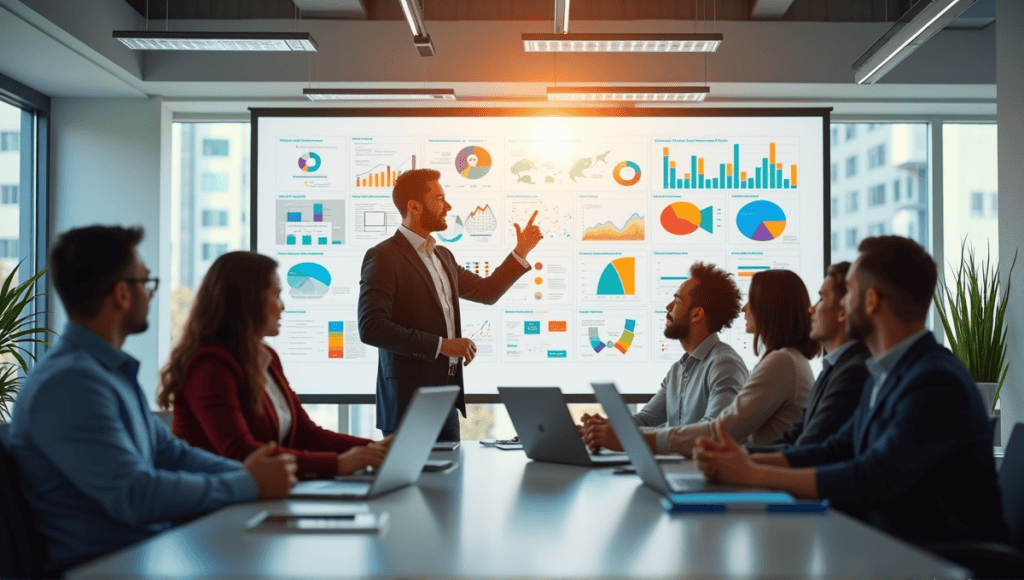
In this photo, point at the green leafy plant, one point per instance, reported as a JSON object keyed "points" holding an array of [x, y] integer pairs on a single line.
{"points": [[974, 324], [17, 332]]}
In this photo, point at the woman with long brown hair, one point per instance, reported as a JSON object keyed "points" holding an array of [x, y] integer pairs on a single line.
{"points": [[777, 313], [227, 387]]}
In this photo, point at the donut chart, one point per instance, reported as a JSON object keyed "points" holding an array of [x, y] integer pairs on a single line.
{"points": [[473, 162], [617, 173], [761, 221], [309, 162]]}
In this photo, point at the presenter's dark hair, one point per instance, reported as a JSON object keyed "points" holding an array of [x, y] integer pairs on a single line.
{"points": [[86, 263], [901, 271], [412, 185], [228, 310], [781, 308], [716, 293]]}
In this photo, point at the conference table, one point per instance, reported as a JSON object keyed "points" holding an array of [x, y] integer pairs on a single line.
{"points": [[498, 514]]}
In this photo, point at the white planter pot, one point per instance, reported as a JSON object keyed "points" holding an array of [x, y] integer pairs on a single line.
{"points": [[988, 396]]}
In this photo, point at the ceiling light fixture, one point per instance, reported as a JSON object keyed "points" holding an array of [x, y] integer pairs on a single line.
{"points": [[217, 41], [634, 94], [420, 38], [621, 42], [561, 16], [922, 21], [379, 94]]}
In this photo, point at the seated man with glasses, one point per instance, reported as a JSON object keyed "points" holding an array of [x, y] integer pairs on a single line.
{"points": [[98, 468]]}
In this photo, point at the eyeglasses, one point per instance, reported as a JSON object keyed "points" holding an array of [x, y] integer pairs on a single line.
{"points": [[148, 284]]}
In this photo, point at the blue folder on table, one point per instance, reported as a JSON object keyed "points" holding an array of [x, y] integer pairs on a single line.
{"points": [[768, 501]]}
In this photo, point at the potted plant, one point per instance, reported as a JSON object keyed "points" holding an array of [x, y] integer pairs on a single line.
{"points": [[17, 333], [974, 323]]}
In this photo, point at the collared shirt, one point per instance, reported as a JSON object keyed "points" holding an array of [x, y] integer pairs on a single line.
{"points": [[697, 387], [101, 472], [880, 366], [425, 248], [833, 357]]}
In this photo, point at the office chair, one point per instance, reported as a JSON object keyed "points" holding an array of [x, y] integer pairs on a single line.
{"points": [[988, 559], [22, 549]]}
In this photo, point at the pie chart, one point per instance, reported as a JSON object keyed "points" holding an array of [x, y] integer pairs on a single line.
{"points": [[618, 278], [761, 221], [309, 279], [454, 232], [473, 162], [309, 162], [682, 218]]}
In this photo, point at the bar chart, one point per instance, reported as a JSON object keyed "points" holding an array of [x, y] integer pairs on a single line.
{"points": [[384, 175], [698, 172], [311, 222]]}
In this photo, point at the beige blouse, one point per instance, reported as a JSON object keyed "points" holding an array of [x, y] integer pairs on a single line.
{"points": [[772, 398]]}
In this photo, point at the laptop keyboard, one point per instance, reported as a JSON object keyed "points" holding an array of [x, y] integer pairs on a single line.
{"points": [[332, 487]]}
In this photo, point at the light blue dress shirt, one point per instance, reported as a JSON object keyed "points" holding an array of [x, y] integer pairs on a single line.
{"points": [[879, 366], [99, 469]]}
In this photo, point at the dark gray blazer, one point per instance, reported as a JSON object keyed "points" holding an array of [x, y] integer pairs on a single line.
{"points": [[832, 402], [400, 314]]}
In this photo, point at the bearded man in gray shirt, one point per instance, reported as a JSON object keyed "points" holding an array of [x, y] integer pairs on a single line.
{"points": [[706, 379]]}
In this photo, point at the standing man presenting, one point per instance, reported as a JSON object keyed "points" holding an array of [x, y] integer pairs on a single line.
{"points": [[409, 301]]}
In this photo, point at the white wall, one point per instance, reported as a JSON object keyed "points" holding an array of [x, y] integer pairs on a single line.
{"points": [[105, 169], [1010, 79]]}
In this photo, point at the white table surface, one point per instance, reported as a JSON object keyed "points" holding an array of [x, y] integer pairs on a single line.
{"points": [[498, 514]]}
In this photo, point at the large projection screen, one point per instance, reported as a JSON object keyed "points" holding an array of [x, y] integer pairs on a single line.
{"points": [[628, 200]]}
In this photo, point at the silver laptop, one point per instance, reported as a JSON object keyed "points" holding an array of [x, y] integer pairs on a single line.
{"points": [[406, 456], [639, 452], [546, 428]]}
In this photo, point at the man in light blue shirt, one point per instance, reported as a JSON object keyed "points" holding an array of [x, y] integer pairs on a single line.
{"points": [[708, 376], [98, 468]]}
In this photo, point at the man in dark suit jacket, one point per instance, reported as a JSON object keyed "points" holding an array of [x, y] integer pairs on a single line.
{"points": [[915, 460], [409, 301], [836, 393]]}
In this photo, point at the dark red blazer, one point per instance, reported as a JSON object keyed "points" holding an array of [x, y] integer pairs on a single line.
{"points": [[212, 411]]}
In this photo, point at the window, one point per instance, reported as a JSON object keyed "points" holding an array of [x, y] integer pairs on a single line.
{"points": [[835, 206], [977, 204], [876, 195], [851, 166], [877, 229], [835, 136], [9, 248], [215, 147], [215, 181], [970, 176], [835, 242], [10, 140], [851, 131], [215, 218], [9, 194], [209, 207], [876, 156], [851, 202], [910, 188], [896, 190], [213, 251], [835, 172], [851, 239]]}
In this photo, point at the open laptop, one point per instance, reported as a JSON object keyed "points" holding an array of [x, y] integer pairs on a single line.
{"points": [[546, 428], [406, 457], [640, 454]]}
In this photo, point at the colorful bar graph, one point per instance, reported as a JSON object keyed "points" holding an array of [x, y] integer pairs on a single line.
{"points": [[336, 339], [769, 175], [749, 271], [289, 240], [318, 212]]}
